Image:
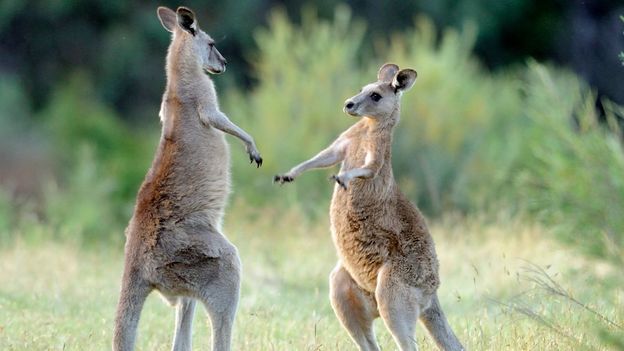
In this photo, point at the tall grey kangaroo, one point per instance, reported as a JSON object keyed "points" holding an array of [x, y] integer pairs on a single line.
{"points": [[387, 261], [174, 241]]}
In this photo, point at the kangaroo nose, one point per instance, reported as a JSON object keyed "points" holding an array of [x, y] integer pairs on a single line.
{"points": [[224, 61], [349, 105]]}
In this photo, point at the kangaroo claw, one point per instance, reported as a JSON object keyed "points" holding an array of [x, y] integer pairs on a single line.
{"points": [[339, 181], [255, 158], [282, 179]]}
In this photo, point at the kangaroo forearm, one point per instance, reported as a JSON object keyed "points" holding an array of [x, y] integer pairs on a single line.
{"points": [[220, 121], [372, 166], [360, 173], [322, 160], [330, 156]]}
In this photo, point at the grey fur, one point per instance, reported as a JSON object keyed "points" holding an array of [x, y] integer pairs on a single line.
{"points": [[174, 241]]}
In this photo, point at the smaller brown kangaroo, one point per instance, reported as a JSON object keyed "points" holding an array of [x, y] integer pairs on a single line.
{"points": [[174, 241], [387, 261]]}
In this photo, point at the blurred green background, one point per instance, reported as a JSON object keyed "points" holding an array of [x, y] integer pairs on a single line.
{"points": [[516, 114], [502, 115]]}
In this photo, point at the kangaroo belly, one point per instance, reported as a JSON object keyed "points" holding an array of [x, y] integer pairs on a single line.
{"points": [[361, 256], [189, 255], [378, 233], [362, 244]]}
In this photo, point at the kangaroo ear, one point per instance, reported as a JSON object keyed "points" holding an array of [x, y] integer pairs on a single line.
{"points": [[186, 20], [404, 80], [167, 17], [387, 72]]}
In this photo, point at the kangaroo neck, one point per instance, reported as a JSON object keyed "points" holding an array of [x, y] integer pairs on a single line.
{"points": [[380, 132], [183, 70], [382, 127], [187, 88]]}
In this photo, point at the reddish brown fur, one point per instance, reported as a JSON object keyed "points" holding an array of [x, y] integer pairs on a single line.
{"points": [[387, 261], [373, 223]]}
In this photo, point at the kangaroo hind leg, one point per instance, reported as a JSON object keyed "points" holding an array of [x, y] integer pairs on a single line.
{"points": [[185, 310], [400, 305], [434, 320], [134, 291], [220, 296], [355, 308]]}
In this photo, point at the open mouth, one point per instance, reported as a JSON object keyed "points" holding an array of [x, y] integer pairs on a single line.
{"points": [[350, 112], [213, 70]]}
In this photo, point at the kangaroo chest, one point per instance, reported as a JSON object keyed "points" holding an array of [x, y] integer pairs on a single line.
{"points": [[204, 170]]}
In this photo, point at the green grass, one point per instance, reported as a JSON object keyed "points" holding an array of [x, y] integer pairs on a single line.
{"points": [[60, 296]]}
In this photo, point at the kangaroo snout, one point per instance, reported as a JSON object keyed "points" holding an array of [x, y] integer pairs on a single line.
{"points": [[349, 107], [222, 65], [222, 60]]}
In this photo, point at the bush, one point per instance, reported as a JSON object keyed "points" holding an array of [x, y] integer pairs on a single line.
{"points": [[526, 140], [446, 148], [306, 73], [571, 173], [101, 163], [304, 76]]}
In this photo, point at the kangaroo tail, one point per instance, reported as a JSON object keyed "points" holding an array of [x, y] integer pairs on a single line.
{"points": [[434, 320]]}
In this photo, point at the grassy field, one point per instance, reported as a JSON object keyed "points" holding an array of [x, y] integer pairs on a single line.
{"points": [[59, 296], [540, 149]]}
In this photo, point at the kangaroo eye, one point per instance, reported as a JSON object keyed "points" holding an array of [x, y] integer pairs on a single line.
{"points": [[376, 97]]}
